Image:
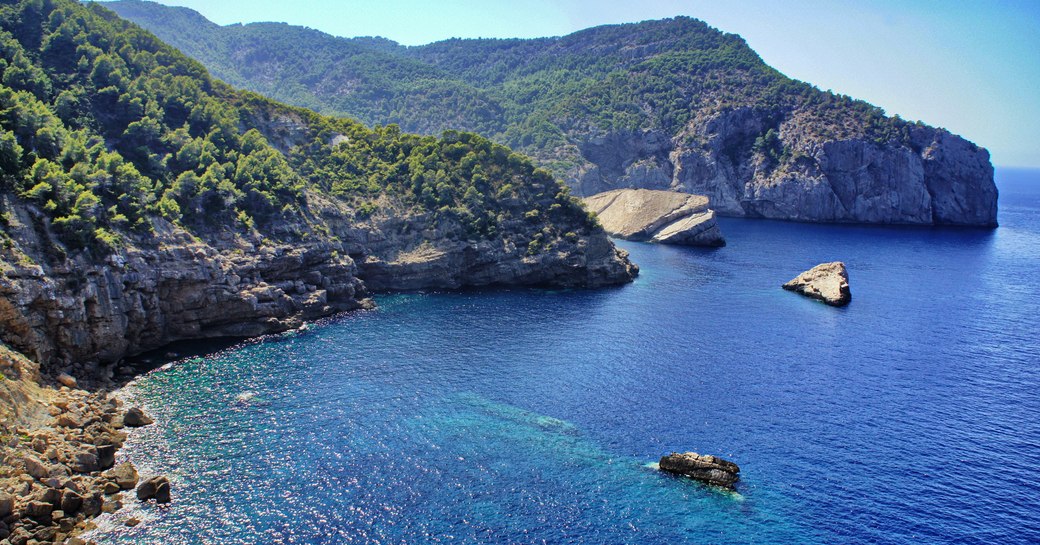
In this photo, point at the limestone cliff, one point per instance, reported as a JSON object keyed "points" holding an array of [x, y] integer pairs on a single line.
{"points": [[659, 216], [934, 177]]}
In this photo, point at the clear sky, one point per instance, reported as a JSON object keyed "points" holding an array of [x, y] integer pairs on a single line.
{"points": [[972, 67]]}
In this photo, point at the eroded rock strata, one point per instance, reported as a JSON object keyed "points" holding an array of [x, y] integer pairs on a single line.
{"points": [[668, 217]]}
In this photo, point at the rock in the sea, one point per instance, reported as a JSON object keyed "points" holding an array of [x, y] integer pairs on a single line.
{"points": [[668, 217], [123, 475], [155, 487], [710, 469], [828, 282], [135, 418]]}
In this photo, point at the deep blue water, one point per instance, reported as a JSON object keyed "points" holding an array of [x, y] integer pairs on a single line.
{"points": [[527, 416]]}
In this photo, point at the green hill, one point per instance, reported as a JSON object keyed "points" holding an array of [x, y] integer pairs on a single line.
{"points": [[142, 201], [660, 104]]}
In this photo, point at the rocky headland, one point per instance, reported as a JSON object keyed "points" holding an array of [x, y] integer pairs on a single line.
{"points": [[827, 282], [144, 203], [667, 217]]}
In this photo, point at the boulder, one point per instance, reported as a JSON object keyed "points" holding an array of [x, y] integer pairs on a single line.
{"points": [[85, 462], [71, 501], [123, 475], [6, 504], [706, 468], [828, 282], [67, 380], [36, 468], [668, 217], [106, 455], [155, 487], [39, 510], [135, 418]]}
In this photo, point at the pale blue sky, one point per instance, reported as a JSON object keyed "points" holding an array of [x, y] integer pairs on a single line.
{"points": [[970, 66]]}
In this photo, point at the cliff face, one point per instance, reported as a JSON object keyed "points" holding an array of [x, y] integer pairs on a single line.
{"points": [[74, 311], [397, 256], [82, 310], [933, 178]]}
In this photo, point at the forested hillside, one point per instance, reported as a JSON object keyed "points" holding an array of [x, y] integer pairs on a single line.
{"points": [[662, 104], [127, 170]]}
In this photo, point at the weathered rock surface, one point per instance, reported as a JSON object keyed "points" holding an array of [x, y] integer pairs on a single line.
{"points": [[410, 253], [934, 177], [668, 217], [72, 311], [706, 468], [828, 282]]}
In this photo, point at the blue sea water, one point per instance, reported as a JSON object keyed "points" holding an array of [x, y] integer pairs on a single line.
{"points": [[531, 416]]}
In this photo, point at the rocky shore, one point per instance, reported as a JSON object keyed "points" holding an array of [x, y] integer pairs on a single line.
{"points": [[58, 449]]}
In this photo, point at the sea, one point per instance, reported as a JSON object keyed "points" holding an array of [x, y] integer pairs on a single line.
{"points": [[519, 416]]}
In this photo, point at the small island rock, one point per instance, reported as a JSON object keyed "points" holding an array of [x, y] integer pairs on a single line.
{"points": [[828, 282], [706, 468]]}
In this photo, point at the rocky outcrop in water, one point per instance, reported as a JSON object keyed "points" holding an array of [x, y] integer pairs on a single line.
{"points": [[668, 217], [705, 468], [827, 282]]}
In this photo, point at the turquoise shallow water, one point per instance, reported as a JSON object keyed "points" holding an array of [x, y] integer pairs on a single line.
{"points": [[530, 416]]}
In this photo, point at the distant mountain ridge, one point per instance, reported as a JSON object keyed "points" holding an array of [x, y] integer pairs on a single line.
{"points": [[668, 104]]}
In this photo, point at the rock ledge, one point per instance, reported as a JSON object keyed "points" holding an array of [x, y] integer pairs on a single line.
{"points": [[668, 217]]}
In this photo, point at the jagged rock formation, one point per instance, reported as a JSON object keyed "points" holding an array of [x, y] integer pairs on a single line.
{"points": [[670, 104], [828, 282], [705, 468], [668, 217]]}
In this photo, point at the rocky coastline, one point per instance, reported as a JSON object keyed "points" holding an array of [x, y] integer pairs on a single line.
{"points": [[58, 446]]}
